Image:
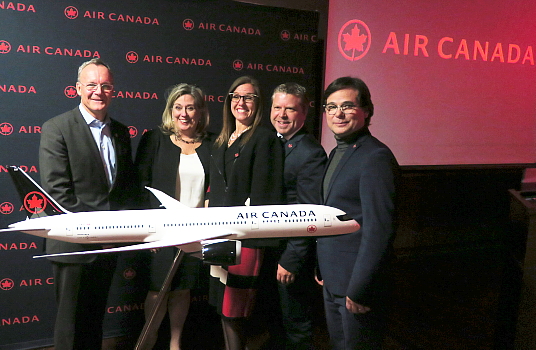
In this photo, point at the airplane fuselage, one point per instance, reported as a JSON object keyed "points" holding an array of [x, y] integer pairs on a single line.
{"points": [[200, 223]]}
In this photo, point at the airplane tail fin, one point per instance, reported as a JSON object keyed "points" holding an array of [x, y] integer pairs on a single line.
{"points": [[35, 200]]}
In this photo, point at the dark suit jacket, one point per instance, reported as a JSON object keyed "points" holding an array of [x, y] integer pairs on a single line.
{"points": [[157, 160], [305, 161], [363, 185], [72, 173], [254, 171]]}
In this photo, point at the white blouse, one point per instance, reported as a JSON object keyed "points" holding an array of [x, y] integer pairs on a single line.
{"points": [[190, 188]]}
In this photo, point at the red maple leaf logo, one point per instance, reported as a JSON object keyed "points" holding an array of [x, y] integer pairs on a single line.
{"points": [[6, 129], [5, 47], [6, 284], [70, 92], [188, 24], [132, 57], [354, 41], [357, 40], [238, 65], [133, 131], [35, 204], [311, 228], [71, 12], [6, 208], [285, 35]]}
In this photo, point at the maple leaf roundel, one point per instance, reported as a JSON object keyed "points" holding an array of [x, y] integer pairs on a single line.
{"points": [[5, 46], [6, 129], [6, 284], [132, 57], [70, 91], [35, 202], [132, 131], [6, 208], [354, 40]]}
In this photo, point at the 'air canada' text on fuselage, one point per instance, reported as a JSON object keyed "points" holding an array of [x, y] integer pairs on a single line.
{"points": [[278, 214]]}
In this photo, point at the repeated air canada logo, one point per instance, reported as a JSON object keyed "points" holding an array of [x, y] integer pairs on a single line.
{"points": [[5, 46], [354, 40], [188, 24], [311, 229], [133, 131], [70, 91], [6, 129], [238, 65], [35, 202], [71, 12], [285, 35], [7, 284], [6, 208], [132, 57]]}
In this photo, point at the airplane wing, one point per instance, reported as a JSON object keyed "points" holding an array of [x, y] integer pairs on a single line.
{"points": [[190, 246], [23, 230], [165, 200]]}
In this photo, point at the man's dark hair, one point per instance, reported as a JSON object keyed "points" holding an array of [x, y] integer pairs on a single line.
{"points": [[364, 100]]}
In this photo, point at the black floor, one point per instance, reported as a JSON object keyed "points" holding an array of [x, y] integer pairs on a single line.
{"points": [[442, 300]]}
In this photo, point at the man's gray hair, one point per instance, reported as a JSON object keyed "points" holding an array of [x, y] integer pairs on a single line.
{"points": [[97, 62]]}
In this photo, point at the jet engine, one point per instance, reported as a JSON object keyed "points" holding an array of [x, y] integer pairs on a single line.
{"points": [[220, 252]]}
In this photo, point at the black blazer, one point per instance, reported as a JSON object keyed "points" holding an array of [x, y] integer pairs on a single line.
{"points": [[254, 171], [72, 173], [363, 185], [157, 160], [305, 161]]}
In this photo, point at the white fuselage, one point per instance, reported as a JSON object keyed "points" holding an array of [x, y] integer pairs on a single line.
{"points": [[192, 224]]}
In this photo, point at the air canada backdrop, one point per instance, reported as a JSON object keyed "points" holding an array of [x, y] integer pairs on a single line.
{"points": [[150, 45]]}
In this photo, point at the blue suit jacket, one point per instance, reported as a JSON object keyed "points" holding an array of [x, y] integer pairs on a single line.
{"points": [[363, 185]]}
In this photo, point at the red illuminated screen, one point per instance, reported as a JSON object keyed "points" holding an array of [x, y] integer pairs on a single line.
{"points": [[452, 82]]}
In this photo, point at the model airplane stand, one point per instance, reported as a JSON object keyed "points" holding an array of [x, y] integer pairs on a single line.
{"points": [[150, 325]]}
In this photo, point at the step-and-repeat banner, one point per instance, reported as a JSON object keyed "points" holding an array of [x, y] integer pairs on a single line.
{"points": [[150, 46], [453, 82]]}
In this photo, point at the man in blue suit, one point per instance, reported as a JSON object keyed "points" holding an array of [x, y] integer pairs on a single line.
{"points": [[305, 160], [360, 179]]}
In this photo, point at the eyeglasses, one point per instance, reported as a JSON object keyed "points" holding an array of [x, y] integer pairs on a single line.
{"points": [[247, 98], [93, 87], [331, 109]]}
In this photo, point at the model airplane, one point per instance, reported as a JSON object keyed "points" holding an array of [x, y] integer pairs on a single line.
{"points": [[207, 230]]}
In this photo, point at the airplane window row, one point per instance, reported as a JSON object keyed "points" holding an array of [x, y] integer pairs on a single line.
{"points": [[206, 223], [109, 227], [301, 220]]}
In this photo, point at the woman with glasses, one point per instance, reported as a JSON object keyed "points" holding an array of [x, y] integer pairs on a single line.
{"points": [[246, 169], [175, 159]]}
